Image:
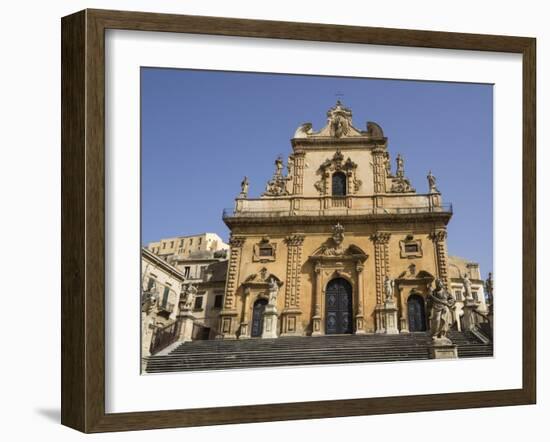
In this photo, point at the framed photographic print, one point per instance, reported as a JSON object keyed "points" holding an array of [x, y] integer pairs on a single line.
{"points": [[269, 220]]}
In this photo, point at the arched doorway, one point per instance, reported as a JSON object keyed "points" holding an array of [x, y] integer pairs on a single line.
{"points": [[258, 318], [338, 307], [416, 313]]}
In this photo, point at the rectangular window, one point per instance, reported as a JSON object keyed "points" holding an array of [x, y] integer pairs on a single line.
{"points": [[218, 301], [150, 283], [186, 271], [163, 245], [200, 240], [181, 243], [191, 242], [411, 248], [266, 251], [165, 295], [476, 296], [198, 303], [458, 295], [171, 244], [202, 270]]}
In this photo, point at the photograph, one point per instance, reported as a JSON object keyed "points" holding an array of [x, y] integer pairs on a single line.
{"points": [[298, 220]]}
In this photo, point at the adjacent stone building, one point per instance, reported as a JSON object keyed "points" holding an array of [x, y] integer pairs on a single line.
{"points": [[161, 286], [340, 242], [183, 247]]}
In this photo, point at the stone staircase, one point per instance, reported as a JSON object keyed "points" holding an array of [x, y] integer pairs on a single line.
{"points": [[469, 346], [287, 351]]}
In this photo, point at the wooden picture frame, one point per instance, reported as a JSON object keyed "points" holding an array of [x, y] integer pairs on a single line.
{"points": [[83, 220]]}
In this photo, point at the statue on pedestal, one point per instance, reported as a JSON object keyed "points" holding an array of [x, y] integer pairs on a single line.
{"points": [[244, 188], [388, 288], [467, 287], [400, 172], [440, 314], [273, 291], [189, 297], [431, 183]]}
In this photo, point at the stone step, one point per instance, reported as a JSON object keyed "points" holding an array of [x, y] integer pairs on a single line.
{"points": [[296, 351]]}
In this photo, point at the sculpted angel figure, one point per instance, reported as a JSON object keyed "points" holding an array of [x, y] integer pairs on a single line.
{"points": [[440, 316]]}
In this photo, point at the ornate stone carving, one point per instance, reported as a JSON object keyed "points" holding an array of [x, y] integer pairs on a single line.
{"points": [[399, 183], [439, 239], [236, 243], [303, 131], [276, 186], [381, 263], [293, 274], [337, 164], [339, 120]]}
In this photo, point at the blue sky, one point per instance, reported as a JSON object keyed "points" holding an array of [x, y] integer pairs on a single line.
{"points": [[202, 131]]}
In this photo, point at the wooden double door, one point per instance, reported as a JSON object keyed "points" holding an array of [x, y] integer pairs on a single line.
{"points": [[338, 307]]}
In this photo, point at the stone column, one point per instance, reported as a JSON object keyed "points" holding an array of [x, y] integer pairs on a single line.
{"points": [[244, 332], [290, 316], [381, 263], [317, 329], [359, 317], [228, 316]]}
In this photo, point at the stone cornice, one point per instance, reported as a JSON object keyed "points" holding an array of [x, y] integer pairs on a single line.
{"points": [[322, 143], [394, 218], [162, 264]]}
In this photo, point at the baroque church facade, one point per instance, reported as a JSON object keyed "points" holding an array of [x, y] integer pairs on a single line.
{"points": [[339, 243]]}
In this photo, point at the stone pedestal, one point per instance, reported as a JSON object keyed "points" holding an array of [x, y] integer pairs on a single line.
{"points": [[291, 324], [443, 348], [187, 320], [244, 331], [316, 324], [403, 326], [228, 324], [270, 323], [360, 325], [389, 314], [469, 319]]}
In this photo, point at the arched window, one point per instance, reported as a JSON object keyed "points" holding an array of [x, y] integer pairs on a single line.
{"points": [[339, 184]]}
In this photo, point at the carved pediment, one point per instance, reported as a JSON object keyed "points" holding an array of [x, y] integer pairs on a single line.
{"points": [[262, 277]]}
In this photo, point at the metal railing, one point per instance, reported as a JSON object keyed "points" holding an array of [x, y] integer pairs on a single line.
{"points": [[164, 336]]}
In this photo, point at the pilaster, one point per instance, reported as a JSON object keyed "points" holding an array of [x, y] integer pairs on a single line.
{"points": [[381, 263], [290, 316], [439, 238]]}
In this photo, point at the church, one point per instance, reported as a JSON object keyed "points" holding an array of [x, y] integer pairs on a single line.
{"points": [[345, 240]]}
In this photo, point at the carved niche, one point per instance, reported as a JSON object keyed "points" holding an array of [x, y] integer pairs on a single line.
{"points": [[334, 165]]}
